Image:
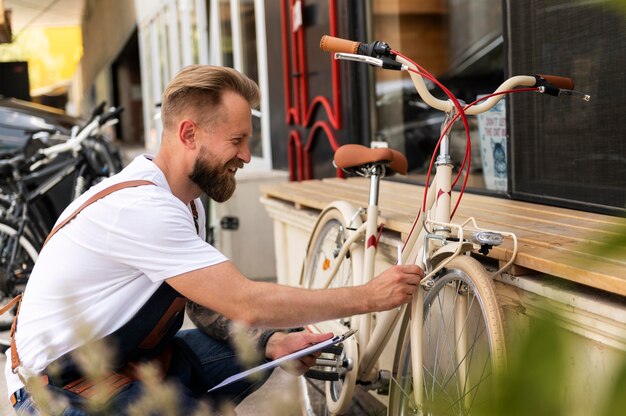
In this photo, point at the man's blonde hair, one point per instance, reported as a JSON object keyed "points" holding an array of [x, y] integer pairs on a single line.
{"points": [[198, 90]]}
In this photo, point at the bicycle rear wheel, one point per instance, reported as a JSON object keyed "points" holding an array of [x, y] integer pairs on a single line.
{"points": [[463, 346], [17, 258], [327, 239]]}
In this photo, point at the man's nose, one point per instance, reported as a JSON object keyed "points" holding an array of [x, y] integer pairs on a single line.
{"points": [[244, 153]]}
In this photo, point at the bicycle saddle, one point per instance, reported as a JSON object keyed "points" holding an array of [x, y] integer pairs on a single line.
{"points": [[352, 157]]}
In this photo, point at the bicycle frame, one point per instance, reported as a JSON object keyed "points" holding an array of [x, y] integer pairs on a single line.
{"points": [[53, 175]]}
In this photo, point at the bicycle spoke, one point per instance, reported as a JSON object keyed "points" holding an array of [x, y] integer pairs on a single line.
{"points": [[482, 378], [474, 389], [460, 362], [468, 356], [449, 323], [475, 339]]}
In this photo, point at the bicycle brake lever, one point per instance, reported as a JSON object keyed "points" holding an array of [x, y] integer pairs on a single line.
{"points": [[556, 92], [573, 93], [384, 62], [359, 58]]}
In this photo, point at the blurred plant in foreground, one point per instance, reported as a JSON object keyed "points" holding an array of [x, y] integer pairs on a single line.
{"points": [[539, 368]]}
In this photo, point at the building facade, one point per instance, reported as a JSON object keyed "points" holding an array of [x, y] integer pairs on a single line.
{"points": [[313, 104]]}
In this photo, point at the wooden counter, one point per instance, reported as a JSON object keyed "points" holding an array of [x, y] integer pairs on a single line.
{"points": [[559, 242]]}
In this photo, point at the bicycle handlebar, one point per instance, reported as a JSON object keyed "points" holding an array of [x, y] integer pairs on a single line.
{"points": [[563, 83], [113, 113], [380, 54], [375, 49], [74, 143], [333, 44], [18, 160], [98, 110]]}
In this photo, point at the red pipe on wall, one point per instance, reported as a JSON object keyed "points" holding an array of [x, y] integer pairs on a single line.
{"points": [[302, 110]]}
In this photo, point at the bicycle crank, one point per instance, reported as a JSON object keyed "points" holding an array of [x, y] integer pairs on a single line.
{"points": [[331, 365], [338, 366]]}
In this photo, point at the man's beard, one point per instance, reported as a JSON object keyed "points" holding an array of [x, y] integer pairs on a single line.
{"points": [[218, 183]]}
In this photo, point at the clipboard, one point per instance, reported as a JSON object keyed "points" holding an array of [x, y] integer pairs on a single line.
{"points": [[294, 355]]}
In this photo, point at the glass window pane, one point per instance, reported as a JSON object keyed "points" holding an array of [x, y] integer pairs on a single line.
{"points": [[460, 43], [207, 8], [161, 25], [146, 64], [194, 32], [248, 39], [256, 145], [227, 34]]}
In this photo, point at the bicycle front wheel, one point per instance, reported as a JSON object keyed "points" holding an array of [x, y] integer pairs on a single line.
{"points": [[17, 258], [463, 346]]}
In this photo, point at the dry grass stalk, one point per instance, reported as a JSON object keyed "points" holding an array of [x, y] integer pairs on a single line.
{"points": [[245, 345], [160, 397], [47, 403]]}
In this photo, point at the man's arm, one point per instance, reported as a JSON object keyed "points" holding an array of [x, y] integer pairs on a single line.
{"points": [[224, 289]]}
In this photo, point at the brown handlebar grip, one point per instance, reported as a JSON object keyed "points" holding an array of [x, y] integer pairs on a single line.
{"points": [[563, 83], [333, 44]]}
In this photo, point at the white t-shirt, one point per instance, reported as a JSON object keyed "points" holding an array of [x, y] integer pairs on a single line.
{"points": [[102, 266]]}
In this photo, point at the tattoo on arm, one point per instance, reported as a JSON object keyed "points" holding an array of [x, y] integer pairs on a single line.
{"points": [[213, 324]]}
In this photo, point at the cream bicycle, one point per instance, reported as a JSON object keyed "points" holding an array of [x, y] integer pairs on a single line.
{"points": [[451, 345]]}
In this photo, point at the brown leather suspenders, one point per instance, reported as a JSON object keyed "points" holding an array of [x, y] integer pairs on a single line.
{"points": [[15, 360]]}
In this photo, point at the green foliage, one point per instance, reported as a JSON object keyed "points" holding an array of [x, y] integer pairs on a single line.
{"points": [[620, 5], [538, 370], [616, 245], [616, 399], [533, 381]]}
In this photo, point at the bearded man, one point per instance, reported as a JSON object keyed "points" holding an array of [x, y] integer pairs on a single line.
{"points": [[126, 257]]}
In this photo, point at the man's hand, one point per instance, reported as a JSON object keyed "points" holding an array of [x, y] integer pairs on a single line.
{"points": [[281, 344], [393, 287]]}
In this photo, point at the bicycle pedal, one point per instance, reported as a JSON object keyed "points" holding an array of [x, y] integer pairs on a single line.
{"points": [[330, 365], [333, 349], [322, 375]]}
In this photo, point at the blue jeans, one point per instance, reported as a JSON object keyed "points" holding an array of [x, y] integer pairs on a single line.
{"points": [[198, 363]]}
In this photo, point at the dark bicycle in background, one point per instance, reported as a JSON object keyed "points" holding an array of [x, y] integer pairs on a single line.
{"points": [[39, 179]]}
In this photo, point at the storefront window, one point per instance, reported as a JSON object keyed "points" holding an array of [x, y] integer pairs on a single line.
{"points": [[256, 146], [460, 43], [217, 32], [194, 32], [146, 59], [161, 27], [226, 34], [248, 33]]}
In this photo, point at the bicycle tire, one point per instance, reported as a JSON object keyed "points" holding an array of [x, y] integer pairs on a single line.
{"points": [[327, 238], [484, 358], [13, 281], [104, 158]]}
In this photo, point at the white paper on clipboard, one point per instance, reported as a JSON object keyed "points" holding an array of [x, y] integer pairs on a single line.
{"points": [[294, 355]]}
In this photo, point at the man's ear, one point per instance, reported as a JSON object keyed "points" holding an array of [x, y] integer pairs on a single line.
{"points": [[187, 133]]}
